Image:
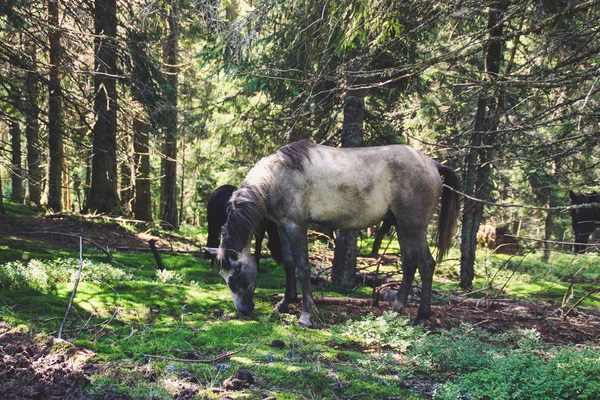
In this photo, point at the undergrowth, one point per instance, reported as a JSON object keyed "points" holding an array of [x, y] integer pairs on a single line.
{"points": [[141, 321]]}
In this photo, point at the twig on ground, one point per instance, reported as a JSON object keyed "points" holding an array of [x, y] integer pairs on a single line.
{"points": [[334, 300], [62, 325], [108, 321], [159, 263], [105, 251], [187, 360]]}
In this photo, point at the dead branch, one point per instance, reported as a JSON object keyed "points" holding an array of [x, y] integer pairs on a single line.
{"points": [[152, 243], [334, 300], [62, 325], [105, 251], [187, 360]]}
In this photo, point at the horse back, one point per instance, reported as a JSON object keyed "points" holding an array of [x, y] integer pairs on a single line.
{"points": [[351, 188]]}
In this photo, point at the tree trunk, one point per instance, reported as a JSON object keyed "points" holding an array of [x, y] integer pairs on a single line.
{"points": [[103, 192], [32, 130], [472, 210], [344, 257], [16, 194], [2, 210], [126, 188], [168, 201], [548, 225], [55, 111], [142, 206], [477, 177], [142, 200]]}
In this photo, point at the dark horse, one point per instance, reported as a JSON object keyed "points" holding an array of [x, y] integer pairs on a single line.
{"points": [[348, 188], [584, 219], [216, 211]]}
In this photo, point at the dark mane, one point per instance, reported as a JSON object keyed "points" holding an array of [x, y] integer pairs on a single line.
{"points": [[247, 208], [294, 154], [248, 204]]}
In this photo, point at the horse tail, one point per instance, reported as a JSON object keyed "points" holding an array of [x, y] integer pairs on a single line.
{"points": [[449, 212]]}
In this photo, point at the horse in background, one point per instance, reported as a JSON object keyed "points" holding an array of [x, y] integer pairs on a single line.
{"points": [[342, 188], [585, 220], [216, 211]]}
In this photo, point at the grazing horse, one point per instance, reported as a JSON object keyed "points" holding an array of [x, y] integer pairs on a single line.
{"points": [[216, 211], [343, 188], [584, 219]]}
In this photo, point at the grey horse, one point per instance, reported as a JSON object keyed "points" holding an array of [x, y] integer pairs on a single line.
{"points": [[342, 188]]}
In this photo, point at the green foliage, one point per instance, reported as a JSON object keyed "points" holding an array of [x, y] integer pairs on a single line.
{"points": [[562, 373], [512, 365], [390, 330], [44, 275]]}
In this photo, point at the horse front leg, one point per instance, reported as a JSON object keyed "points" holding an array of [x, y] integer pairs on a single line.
{"points": [[289, 265], [259, 235], [581, 241], [298, 242]]}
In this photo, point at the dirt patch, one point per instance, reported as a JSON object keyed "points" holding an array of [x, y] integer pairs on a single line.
{"points": [[580, 326], [38, 369], [61, 232]]}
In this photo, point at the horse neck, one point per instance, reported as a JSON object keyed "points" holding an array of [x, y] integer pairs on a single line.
{"points": [[246, 212]]}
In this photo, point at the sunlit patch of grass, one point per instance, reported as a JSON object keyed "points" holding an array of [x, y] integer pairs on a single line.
{"points": [[140, 325], [21, 210]]}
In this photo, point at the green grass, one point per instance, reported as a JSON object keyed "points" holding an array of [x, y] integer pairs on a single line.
{"points": [[129, 313], [21, 210]]}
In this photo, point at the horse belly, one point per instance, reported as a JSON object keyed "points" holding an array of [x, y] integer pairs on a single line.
{"points": [[346, 205]]}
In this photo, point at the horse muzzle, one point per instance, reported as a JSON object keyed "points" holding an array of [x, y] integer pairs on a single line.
{"points": [[245, 309]]}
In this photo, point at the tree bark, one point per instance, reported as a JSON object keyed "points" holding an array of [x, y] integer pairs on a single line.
{"points": [[16, 194], [32, 129], [142, 200], [126, 188], [103, 192], [142, 205], [168, 200], [477, 178], [343, 272], [55, 111], [2, 210]]}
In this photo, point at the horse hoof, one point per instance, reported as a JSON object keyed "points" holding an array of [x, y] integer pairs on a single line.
{"points": [[282, 307], [398, 307], [419, 321], [304, 321]]}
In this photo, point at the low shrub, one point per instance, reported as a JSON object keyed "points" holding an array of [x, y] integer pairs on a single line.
{"points": [[44, 275]]}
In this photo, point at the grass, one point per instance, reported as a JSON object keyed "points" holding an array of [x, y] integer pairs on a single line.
{"points": [[128, 313]]}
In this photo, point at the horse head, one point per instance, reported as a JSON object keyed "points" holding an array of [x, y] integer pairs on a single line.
{"points": [[238, 269]]}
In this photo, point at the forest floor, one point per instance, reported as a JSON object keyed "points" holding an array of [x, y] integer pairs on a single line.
{"points": [[60, 232], [33, 368]]}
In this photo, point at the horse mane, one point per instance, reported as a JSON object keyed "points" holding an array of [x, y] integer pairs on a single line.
{"points": [[246, 208], [248, 204], [293, 155]]}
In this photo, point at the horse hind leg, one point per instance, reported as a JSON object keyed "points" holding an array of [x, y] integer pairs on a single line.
{"points": [[415, 255]]}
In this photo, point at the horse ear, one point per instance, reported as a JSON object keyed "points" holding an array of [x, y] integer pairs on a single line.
{"points": [[573, 196], [211, 250], [232, 254]]}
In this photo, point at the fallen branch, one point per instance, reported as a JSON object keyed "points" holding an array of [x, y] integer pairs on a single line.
{"points": [[187, 360], [62, 325], [159, 263], [112, 259], [334, 300]]}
